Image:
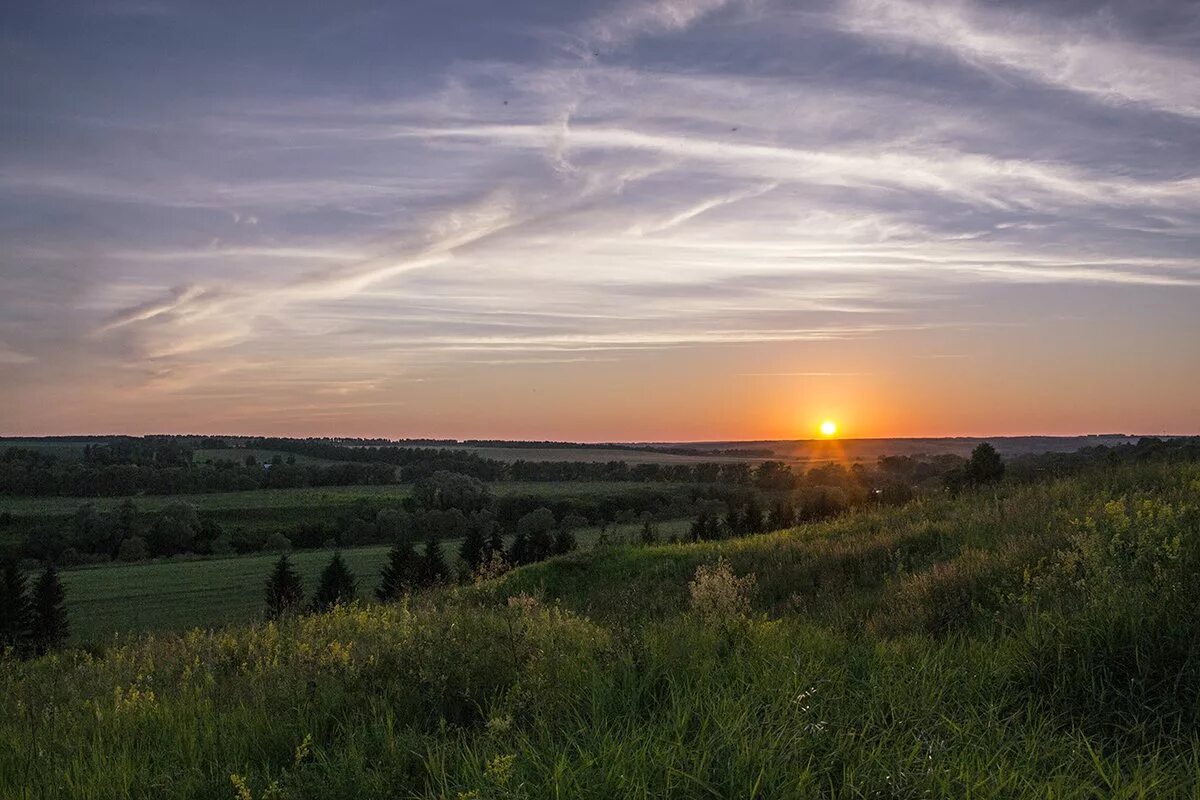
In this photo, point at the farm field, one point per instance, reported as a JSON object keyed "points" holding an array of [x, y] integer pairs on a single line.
{"points": [[312, 497], [177, 594]]}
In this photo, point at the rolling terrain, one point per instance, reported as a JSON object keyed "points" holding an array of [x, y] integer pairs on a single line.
{"points": [[1018, 641]]}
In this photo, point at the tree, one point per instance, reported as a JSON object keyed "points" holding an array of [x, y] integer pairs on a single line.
{"points": [[433, 565], [400, 573], [285, 593], [133, 549], [337, 585], [519, 552], [444, 490], [564, 541], [538, 527], [14, 608], [48, 628], [783, 515], [753, 518], [985, 465], [471, 550], [495, 545]]}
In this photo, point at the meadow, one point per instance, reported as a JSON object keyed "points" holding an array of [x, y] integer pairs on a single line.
{"points": [[1019, 641], [310, 497], [182, 593]]}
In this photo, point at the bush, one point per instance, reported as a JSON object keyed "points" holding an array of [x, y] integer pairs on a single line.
{"points": [[133, 549]]}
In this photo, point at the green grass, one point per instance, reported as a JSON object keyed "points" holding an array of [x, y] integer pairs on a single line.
{"points": [[313, 497], [1026, 642], [177, 594]]}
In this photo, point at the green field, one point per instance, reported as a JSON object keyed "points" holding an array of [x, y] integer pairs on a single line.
{"points": [[177, 594], [315, 497]]}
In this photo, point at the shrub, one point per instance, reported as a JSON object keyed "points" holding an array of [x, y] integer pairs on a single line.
{"points": [[718, 594]]}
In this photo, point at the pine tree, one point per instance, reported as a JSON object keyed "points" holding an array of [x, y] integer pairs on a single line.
{"points": [[337, 586], [399, 573], [495, 545], [14, 609], [471, 550], [433, 564], [49, 627], [285, 593], [699, 529]]}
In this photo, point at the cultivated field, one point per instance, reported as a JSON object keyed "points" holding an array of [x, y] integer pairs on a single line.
{"points": [[182, 593]]}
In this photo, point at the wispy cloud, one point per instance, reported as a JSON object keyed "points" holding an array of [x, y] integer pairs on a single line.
{"points": [[1087, 59]]}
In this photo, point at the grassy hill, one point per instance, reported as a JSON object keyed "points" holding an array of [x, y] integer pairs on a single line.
{"points": [[1027, 641]]}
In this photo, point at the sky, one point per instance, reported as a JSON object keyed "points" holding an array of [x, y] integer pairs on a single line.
{"points": [[600, 220]]}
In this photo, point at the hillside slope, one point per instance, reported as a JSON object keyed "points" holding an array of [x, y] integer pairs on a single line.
{"points": [[1028, 641]]}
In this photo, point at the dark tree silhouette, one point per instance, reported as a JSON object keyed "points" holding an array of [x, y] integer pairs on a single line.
{"points": [[564, 541], [400, 573], [285, 593], [337, 586], [495, 544], [48, 628], [471, 550], [433, 565], [985, 465], [14, 609], [519, 552]]}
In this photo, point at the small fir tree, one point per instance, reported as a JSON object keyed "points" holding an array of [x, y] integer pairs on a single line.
{"points": [[285, 592], [14, 609], [337, 587], [472, 549], [399, 573], [433, 565], [49, 627]]}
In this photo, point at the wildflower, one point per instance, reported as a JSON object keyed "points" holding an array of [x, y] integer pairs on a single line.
{"points": [[241, 790], [499, 769], [302, 750]]}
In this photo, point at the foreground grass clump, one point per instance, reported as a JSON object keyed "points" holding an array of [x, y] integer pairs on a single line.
{"points": [[1031, 641], [179, 714]]}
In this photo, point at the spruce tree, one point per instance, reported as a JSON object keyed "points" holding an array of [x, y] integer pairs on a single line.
{"points": [[49, 627], [433, 565], [495, 545], [337, 586], [14, 609], [399, 573], [471, 550], [285, 593]]}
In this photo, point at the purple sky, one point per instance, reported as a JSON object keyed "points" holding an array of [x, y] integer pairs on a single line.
{"points": [[671, 219]]}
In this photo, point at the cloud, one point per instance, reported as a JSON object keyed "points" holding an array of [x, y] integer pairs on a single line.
{"points": [[1095, 63], [634, 19]]}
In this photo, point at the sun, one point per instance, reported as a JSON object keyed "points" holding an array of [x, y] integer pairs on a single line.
{"points": [[828, 428]]}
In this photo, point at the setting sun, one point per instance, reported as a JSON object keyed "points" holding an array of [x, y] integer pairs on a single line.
{"points": [[828, 428]]}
